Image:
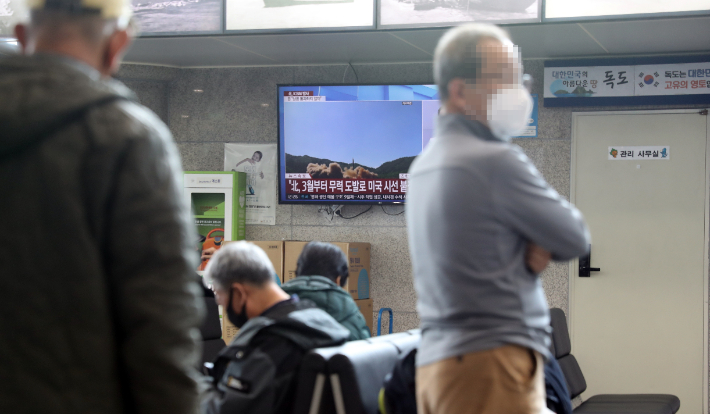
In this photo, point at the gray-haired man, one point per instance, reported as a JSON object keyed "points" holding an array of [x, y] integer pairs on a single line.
{"points": [[254, 374], [482, 224], [99, 309]]}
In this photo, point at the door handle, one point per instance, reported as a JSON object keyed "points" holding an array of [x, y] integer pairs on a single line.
{"points": [[585, 263]]}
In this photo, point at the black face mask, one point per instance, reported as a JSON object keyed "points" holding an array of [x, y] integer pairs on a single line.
{"points": [[237, 320]]}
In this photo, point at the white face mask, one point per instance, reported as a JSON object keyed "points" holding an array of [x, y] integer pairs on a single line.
{"points": [[509, 111]]}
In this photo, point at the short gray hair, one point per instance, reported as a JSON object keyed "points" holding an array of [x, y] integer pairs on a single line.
{"points": [[91, 28], [239, 262], [456, 55]]}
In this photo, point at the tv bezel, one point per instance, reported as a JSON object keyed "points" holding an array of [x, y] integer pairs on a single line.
{"points": [[278, 147]]}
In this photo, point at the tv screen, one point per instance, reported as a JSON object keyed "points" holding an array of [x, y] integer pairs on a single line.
{"points": [[349, 144]]}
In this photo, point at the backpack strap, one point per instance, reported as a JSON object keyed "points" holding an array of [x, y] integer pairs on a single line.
{"points": [[61, 123]]}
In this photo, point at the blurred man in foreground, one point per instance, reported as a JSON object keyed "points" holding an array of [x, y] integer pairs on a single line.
{"points": [[477, 253], [99, 311]]}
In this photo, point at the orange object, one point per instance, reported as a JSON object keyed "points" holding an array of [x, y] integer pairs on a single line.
{"points": [[211, 242]]}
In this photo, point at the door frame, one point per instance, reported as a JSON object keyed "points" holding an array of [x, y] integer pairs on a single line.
{"points": [[573, 264]]}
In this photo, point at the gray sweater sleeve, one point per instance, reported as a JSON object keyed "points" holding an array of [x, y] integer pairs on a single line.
{"points": [[526, 203]]}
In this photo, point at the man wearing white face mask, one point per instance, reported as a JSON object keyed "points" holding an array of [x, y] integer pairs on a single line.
{"points": [[483, 224]]}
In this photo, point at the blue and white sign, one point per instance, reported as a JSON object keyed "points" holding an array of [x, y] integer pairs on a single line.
{"points": [[639, 81], [531, 129]]}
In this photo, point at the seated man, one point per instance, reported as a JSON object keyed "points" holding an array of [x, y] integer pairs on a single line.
{"points": [[321, 272], [254, 373]]}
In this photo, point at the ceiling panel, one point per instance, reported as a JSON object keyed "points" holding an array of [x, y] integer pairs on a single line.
{"points": [[424, 38], [536, 41], [653, 36], [192, 52], [314, 48], [554, 41]]}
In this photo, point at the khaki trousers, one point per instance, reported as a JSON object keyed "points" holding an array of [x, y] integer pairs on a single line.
{"points": [[504, 380]]}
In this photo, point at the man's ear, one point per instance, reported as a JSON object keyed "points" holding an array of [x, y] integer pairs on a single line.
{"points": [[23, 38], [337, 281], [116, 47], [238, 296], [456, 89]]}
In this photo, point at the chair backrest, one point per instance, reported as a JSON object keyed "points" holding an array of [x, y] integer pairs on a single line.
{"points": [[313, 391], [562, 348], [211, 331], [211, 328], [348, 378], [357, 373]]}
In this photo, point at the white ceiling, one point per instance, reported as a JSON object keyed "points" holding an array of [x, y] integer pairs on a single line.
{"points": [[537, 41]]}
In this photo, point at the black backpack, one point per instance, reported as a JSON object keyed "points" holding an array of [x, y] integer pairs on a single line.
{"points": [[399, 396]]}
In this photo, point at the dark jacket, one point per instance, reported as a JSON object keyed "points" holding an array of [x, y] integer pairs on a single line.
{"points": [[255, 373], [557, 395], [331, 298], [399, 394], [99, 310]]}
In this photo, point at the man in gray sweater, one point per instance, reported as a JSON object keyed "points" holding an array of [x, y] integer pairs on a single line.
{"points": [[483, 224]]}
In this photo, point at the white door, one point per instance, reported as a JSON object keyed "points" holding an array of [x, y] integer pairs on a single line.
{"points": [[639, 325]]}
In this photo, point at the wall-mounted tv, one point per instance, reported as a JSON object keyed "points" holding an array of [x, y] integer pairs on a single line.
{"points": [[351, 144]]}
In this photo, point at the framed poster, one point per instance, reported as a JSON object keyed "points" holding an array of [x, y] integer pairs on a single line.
{"points": [[258, 161], [273, 15], [423, 13], [10, 15], [170, 17], [605, 9], [259, 15]]}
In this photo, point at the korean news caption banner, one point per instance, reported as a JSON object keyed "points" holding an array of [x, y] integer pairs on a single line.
{"points": [[636, 82]]}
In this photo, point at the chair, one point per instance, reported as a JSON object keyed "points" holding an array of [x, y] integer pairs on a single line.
{"points": [[211, 331], [348, 378], [607, 403]]}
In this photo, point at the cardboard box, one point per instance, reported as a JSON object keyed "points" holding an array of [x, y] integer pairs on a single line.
{"points": [[358, 256], [275, 251], [292, 249], [365, 306]]}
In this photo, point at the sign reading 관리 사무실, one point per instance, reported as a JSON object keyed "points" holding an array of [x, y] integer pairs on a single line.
{"points": [[622, 153]]}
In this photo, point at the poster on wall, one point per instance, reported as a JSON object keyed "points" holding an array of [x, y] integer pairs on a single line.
{"points": [[298, 14], [557, 9], [10, 15], [177, 17], [259, 162], [531, 128], [416, 13]]}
